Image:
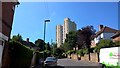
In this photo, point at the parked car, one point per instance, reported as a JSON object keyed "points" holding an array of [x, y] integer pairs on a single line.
{"points": [[50, 61]]}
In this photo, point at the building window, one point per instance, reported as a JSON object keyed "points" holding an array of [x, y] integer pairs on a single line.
{"points": [[1, 42]]}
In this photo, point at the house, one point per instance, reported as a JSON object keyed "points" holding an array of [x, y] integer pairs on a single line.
{"points": [[30, 44], [116, 37], [103, 33], [7, 10]]}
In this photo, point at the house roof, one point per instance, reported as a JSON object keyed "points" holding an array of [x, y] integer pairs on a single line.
{"points": [[29, 44], [106, 30], [116, 35]]}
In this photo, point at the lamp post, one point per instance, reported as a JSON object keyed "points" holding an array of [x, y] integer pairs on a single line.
{"points": [[45, 27], [44, 33]]}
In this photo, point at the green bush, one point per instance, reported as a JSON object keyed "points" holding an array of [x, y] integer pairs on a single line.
{"points": [[70, 52], [92, 50], [85, 51], [20, 55], [80, 52]]}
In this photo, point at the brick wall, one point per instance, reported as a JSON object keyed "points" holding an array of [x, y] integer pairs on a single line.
{"points": [[93, 56], [7, 20], [85, 57], [74, 56]]}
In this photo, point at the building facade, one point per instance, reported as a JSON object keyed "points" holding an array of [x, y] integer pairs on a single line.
{"points": [[103, 33], [7, 10], [61, 31], [59, 35], [67, 27]]}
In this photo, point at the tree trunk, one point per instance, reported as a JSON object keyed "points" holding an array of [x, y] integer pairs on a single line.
{"points": [[98, 57], [89, 54]]}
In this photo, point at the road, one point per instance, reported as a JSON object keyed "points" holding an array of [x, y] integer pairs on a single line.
{"points": [[69, 63]]}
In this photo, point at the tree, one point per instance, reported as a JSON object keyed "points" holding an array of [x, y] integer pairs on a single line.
{"points": [[17, 38], [117, 43], [70, 41], [103, 44], [47, 46], [84, 37], [40, 43], [88, 31], [54, 46]]}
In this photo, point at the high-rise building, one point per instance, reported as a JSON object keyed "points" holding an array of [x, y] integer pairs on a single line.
{"points": [[61, 31], [59, 35], [67, 27]]}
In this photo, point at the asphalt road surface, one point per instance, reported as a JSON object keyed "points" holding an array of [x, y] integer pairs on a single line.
{"points": [[69, 63]]}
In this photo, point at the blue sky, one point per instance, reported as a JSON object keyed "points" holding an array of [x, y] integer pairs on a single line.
{"points": [[29, 17]]}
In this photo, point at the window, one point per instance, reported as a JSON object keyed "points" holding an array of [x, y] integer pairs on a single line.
{"points": [[1, 42]]}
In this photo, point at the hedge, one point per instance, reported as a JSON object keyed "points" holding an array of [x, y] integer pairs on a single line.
{"points": [[20, 55], [41, 55]]}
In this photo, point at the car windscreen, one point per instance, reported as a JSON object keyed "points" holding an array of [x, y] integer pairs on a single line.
{"points": [[51, 59]]}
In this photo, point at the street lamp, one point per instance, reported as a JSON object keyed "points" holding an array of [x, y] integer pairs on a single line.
{"points": [[45, 27], [44, 33]]}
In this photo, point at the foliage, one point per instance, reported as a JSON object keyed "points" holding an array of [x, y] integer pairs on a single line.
{"points": [[67, 47], [47, 46], [47, 52], [17, 38], [21, 55], [71, 38], [54, 46], [58, 52], [80, 52], [85, 51], [70, 51], [40, 43], [70, 41], [97, 49], [117, 43], [84, 36], [104, 44], [92, 50]]}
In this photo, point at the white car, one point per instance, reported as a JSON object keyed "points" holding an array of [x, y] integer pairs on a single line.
{"points": [[50, 61]]}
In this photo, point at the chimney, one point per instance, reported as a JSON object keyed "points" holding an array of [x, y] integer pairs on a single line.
{"points": [[27, 40], [100, 27]]}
